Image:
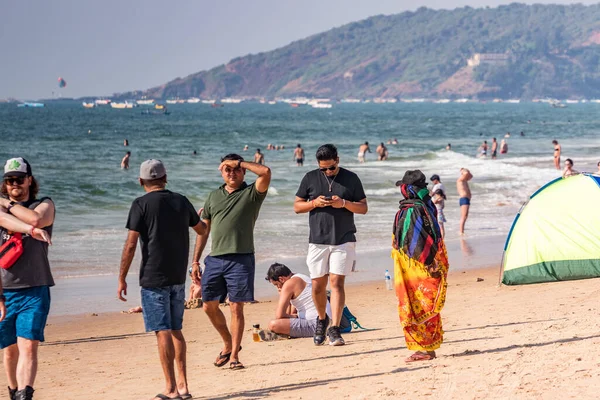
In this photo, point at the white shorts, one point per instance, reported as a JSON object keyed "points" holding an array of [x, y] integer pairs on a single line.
{"points": [[323, 259]]}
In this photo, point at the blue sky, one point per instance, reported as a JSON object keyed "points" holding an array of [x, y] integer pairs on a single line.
{"points": [[107, 46]]}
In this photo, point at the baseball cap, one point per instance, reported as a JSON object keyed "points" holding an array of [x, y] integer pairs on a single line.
{"points": [[434, 177], [415, 178], [17, 167], [152, 169]]}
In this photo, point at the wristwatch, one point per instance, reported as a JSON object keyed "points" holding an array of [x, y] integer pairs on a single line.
{"points": [[2, 298], [11, 205]]}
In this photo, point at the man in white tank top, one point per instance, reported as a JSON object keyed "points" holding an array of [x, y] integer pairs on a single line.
{"points": [[296, 315]]}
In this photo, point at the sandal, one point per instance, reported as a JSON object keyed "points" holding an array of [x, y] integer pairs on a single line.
{"points": [[223, 359], [419, 357], [235, 365], [164, 397], [186, 396]]}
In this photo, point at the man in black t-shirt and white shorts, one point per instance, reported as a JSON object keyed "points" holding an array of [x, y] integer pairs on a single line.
{"points": [[332, 195], [160, 220]]}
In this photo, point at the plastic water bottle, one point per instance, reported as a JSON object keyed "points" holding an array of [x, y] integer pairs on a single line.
{"points": [[388, 280]]}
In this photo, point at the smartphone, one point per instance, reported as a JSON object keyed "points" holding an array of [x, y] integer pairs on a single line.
{"points": [[328, 198]]}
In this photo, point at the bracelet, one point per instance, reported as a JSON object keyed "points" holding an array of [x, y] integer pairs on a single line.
{"points": [[344, 203], [195, 263]]}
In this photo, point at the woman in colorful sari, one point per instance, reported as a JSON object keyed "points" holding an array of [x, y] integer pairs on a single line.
{"points": [[420, 268]]}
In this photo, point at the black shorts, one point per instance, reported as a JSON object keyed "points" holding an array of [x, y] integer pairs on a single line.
{"points": [[494, 153]]}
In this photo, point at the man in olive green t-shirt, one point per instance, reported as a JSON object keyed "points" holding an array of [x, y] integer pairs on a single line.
{"points": [[229, 214]]}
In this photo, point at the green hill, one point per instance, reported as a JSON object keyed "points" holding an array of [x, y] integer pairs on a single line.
{"points": [[528, 51]]}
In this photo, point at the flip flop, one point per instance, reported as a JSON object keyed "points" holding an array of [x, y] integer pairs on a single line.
{"points": [[235, 365], [164, 397], [222, 359], [186, 396], [419, 357]]}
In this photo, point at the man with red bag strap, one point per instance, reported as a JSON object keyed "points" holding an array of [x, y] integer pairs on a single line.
{"points": [[25, 300]]}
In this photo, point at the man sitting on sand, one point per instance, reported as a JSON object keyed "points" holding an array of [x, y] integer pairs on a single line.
{"points": [[295, 290]]}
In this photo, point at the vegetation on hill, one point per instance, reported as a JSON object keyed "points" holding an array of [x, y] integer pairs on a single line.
{"points": [[554, 51]]}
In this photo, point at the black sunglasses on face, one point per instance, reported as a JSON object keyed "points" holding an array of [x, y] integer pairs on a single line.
{"points": [[332, 168], [13, 180]]}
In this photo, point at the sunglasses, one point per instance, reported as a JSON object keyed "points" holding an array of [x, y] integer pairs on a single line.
{"points": [[235, 170], [332, 168], [15, 180]]}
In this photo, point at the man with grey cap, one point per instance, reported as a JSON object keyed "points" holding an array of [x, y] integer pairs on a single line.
{"points": [[437, 184], [160, 220], [26, 277]]}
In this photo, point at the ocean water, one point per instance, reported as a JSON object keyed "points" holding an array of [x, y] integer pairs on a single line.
{"points": [[75, 154]]}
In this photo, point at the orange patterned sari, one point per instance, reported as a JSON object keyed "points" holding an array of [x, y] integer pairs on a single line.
{"points": [[421, 293]]}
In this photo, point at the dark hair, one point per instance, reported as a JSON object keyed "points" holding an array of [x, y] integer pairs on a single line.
{"points": [[298, 145], [154, 182], [232, 156], [276, 270], [33, 189], [441, 193], [258, 150], [128, 153], [494, 138], [554, 141], [367, 143], [327, 152], [485, 141], [569, 160]]}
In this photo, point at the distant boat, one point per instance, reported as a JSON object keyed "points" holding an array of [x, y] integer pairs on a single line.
{"points": [[443, 101], [193, 100], [572, 101], [122, 105], [217, 105], [89, 105], [160, 107], [272, 102], [294, 105], [209, 101], [145, 102], [33, 105], [102, 102], [171, 101], [513, 101], [558, 104], [321, 105], [461, 100]]}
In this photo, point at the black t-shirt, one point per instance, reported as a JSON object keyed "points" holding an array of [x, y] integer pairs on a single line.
{"points": [[163, 219], [330, 225]]}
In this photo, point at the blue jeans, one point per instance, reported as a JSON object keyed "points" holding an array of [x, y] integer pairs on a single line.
{"points": [[26, 314], [163, 307]]}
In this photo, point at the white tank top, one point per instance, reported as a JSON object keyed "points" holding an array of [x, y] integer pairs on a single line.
{"points": [[304, 302]]}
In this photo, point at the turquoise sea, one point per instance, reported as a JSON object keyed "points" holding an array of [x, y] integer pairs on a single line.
{"points": [[76, 153]]}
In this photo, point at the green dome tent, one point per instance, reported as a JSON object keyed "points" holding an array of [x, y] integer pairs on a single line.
{"points": [[556, 234]]}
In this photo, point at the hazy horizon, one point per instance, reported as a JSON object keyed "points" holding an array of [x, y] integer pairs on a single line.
{"points": [[105, 47]]}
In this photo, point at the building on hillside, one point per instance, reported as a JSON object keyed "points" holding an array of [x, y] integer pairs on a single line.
{"points": [[488, 58]]}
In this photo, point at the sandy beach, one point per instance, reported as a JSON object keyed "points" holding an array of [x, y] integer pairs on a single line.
{"points": [[527, 342]]}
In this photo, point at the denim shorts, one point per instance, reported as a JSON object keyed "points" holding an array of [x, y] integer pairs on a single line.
{"points": [[163, 307], [229, 274], [26, 314]]}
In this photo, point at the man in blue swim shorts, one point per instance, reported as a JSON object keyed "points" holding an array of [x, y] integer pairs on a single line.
{"points": [[464, 193]]}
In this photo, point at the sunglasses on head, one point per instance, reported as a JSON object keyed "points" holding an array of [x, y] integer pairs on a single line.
{"points": [[12, 180], [332, 168]]}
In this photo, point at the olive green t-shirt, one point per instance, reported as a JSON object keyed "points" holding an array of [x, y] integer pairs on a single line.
{"points": [[232, 217]]}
